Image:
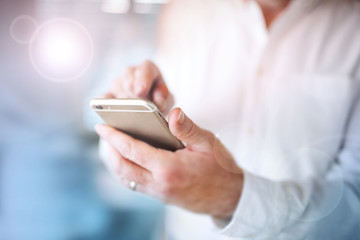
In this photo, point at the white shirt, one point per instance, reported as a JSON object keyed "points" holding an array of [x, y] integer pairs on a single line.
{"points": [[283, 101]]}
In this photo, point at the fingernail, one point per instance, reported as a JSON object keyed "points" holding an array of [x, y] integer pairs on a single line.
{"points": [[181, 118]]}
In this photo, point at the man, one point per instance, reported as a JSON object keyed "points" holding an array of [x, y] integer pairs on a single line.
{"points": [[295, 105]]}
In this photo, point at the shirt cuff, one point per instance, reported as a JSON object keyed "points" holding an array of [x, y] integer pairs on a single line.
{"points": [[249, 216]]}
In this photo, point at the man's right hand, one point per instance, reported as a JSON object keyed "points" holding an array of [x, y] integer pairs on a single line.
{"points": [[143, 81]]}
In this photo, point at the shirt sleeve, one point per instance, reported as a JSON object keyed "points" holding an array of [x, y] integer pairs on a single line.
{"points": [[325, 207]]}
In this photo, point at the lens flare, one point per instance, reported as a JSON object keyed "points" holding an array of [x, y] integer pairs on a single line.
{"points": [[61, 50], [22, 28]]}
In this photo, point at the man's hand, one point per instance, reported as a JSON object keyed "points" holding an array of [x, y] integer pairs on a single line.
{"points": [[143, 81], [191, 178]]}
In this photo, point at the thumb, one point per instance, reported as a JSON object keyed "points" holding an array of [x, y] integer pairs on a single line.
{"points": [[187, 131]]}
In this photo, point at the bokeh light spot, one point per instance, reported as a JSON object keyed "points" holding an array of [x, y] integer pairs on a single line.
{"points": [[22, 29], [61, 50]]}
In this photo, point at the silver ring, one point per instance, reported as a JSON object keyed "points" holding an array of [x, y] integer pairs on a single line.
{"points": [[132, 185]]}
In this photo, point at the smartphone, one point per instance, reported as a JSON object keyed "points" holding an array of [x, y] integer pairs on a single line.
{"points": [[139, 118]]}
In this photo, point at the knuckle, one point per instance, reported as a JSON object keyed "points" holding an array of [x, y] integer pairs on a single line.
{"points": [[143, 73], [128, 71], [147, 63], [146, 70]]}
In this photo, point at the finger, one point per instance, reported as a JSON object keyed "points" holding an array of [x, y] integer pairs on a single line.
{"points": [[107, 95], [162, 98], [146, 189], [126, 83], [145, 77], [134, 150], [184, 129], [148, 80], [127, 171], [122, 87], [123, 168], [143, 81]]}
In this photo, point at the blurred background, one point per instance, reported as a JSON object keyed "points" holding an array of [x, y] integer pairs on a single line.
{"points": [[52, 184]]}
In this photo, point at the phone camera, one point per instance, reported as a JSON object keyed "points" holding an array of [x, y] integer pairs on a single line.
{"points": [[99, 107]]}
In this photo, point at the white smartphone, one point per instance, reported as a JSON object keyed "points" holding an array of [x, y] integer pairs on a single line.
{"points": [[138, 118]]}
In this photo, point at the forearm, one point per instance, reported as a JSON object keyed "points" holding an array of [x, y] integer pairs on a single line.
{"points": [[289, 210]]}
